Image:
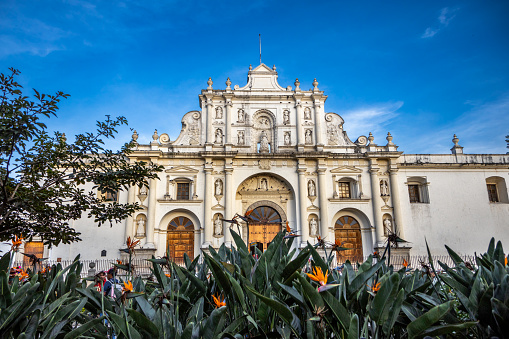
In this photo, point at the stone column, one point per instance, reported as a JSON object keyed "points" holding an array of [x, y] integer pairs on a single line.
{"points": [[300, 131], [324, 215], [377, 204], [151, 216], [228, 204], [207, 201], [318, 122], [228, 122], [130, 227], [398, 219], [210, 128], [303, 222]]}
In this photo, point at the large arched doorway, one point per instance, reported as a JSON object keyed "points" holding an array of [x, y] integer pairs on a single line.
{"points": [[265, 224], [348, 232], [180, 238]]}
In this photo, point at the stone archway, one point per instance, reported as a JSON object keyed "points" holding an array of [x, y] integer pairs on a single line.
{"points": [[265, 223], [347, 232], [180, 238]]}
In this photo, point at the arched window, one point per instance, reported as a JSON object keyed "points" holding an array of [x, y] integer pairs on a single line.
{"points": [[497, 190], [180, 238], [348, 232]]}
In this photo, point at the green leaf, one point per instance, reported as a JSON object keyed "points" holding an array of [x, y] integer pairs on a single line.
{"points": [[454, 256], [353, 332], [435, 331], [84, 328], [143, 322], [417, 327], [360, 280]]}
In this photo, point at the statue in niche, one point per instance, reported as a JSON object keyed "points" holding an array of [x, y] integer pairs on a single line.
{"points": [[311, 188], [384, 187], [241, 115], [287, 139], [143, 190], [264, 143], [140, 229], [387, 225], [313, 227], [286, 117], [218, 226], [240, 136], [219, 136], [219, 113], [309, 137], [219, 187], [264, 184], [307, 113]]}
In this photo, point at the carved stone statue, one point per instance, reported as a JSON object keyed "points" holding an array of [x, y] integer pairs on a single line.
{"points": [[311, 188], [143, 190], [219, 136], [313, 227], [140, 229], [241, 115], [219, 113], [384, 187], [240, 136], [218, 227], [287, 139], [264, 122], [307, 113], [309, 137], [264, 143], [387, 225], [263, 184], [286, 117], [219, 187]]}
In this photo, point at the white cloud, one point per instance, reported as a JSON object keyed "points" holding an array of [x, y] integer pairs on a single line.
{"points": [[373, 118], [444, 18]]}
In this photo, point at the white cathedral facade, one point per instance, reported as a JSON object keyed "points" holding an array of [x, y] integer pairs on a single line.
{"points": [[278, 152]]}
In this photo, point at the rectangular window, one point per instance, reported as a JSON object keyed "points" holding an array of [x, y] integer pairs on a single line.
{"points": [[182, 191], [344, 190], [492, 192], [413, 192]]}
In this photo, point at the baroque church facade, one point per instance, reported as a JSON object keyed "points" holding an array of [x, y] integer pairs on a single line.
{"points": [[277, 152]]}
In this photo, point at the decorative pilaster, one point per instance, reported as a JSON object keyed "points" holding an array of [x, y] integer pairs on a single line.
{"points": [[129, 225], [210, 114], [303, 229], [228, 203], [396, 204], [377, 203], [228, 119], [151, 215], [300, 131], [324, 215], [207, 200], [318, 122]]}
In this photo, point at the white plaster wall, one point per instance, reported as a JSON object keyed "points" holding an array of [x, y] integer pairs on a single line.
{"points": [[459, 213]]}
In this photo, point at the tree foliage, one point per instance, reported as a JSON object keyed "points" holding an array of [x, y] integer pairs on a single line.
{"points": [[42, 176]]}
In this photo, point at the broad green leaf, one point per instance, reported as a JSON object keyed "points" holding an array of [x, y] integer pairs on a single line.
{"points": [[425, 321]]}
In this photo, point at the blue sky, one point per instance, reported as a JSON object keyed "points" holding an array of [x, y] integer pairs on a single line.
{"points": [[422, 70]]}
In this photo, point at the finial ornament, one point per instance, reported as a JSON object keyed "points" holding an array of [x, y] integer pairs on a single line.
{"points": [[297, 84], [315, 85], [371, 137], [228, 83], [155, 136], [273, 67], [209, 82], [250, 67], [63, 138], [389, 139], [455, 140], [135, 136]]}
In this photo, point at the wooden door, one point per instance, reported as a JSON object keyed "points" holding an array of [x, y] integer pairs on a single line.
{"points": [[265, 224], [347, 231], [180, 239], [32, 247]]}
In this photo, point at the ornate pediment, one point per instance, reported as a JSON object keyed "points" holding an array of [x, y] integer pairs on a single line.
{"points": [[262, 78], [346, 170], [181, 169]]}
